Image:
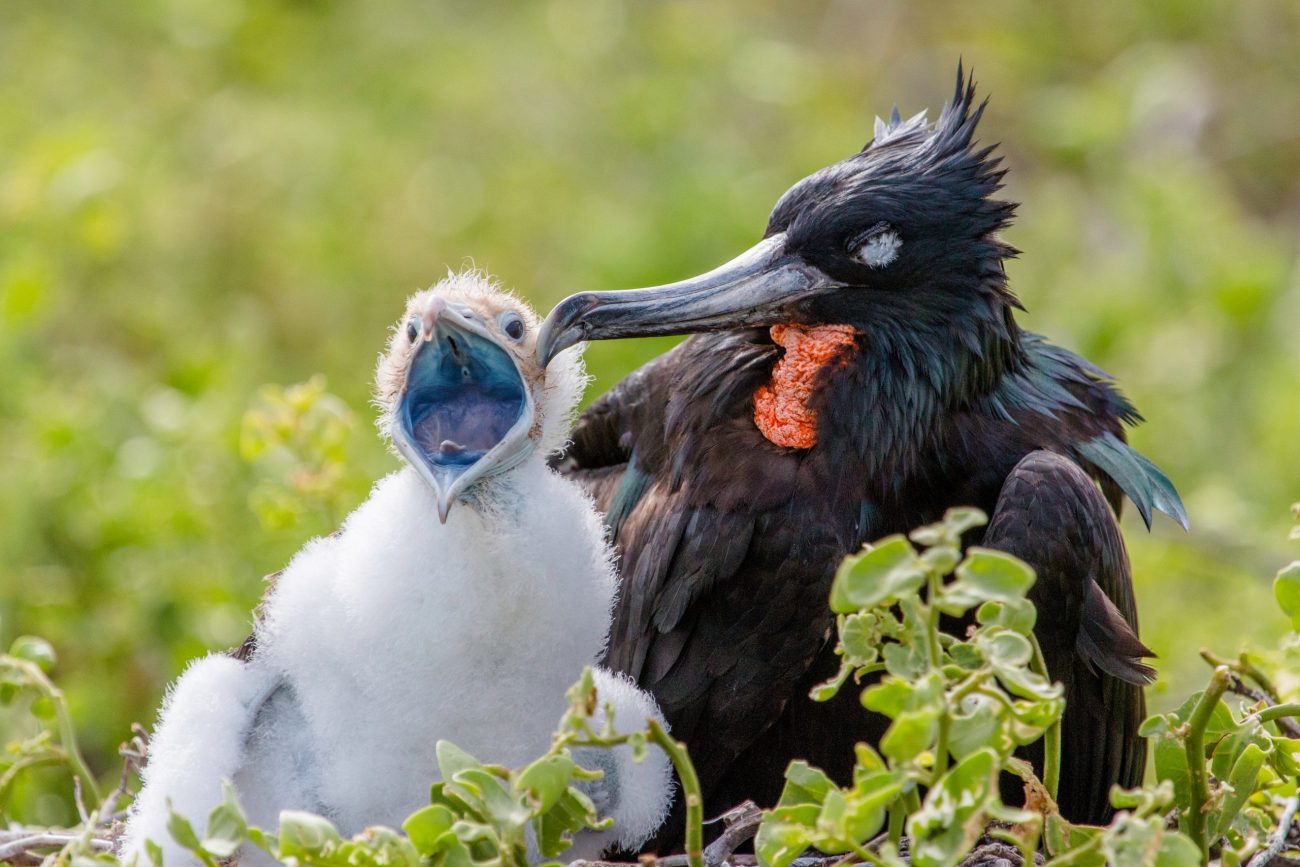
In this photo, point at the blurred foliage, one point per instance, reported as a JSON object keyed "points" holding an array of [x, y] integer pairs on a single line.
{"points": [[298, 437], [198, 197]]}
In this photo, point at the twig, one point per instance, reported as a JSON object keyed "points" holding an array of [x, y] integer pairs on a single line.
{"points": [[742, 823], [1264, 694], [133, 754], [994, 852], [1278, 842], [46, 840], [78, 800]]}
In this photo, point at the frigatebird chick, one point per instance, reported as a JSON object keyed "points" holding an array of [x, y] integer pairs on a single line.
{"points": [[421, 619]]}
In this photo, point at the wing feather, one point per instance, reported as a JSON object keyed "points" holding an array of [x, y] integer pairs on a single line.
{"points": [[1053, 516]]}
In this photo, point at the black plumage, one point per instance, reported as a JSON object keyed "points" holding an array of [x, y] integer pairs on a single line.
{"points": [[729, 542]]}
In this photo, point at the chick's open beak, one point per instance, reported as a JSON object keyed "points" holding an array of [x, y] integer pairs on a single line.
{"points": [[466, 411]]}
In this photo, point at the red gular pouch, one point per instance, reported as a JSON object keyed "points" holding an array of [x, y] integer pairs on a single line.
{"points": [[781, 407]]}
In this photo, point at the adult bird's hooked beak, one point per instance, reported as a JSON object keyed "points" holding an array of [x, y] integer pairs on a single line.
{"points": [[465, 411], [765, 285]]}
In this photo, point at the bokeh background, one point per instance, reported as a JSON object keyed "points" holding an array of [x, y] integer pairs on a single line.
{"points": [[200, 197]]}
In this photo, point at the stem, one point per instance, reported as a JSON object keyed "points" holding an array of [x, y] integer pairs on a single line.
{"points": [[676, 751], [936, 662], [1195, 748], [897, 813], [866, 854], [912, 801], [1052, 737], [67, 734], [1277, 711], [1248, 668]]}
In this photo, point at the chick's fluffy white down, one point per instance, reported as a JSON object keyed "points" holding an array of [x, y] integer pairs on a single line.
{"points": [[391, 635]]}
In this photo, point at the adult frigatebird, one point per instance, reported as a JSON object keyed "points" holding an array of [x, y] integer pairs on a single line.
{"points": [[854, 374]]}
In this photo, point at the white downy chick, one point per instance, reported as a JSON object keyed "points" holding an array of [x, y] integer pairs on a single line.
{"points": [[418, 621]]}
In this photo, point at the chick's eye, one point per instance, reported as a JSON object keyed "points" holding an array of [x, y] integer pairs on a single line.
{"points": [[412, 330], [876, 247], [512, 324]]}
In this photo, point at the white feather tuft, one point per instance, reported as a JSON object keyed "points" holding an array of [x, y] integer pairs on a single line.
{"points": [[197, 743], [645, 789]]}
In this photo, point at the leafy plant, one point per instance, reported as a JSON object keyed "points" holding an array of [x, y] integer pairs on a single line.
{"points": [[1234, 773], [959, 706], [24, 676], [1226, 777], [1226, 781]]}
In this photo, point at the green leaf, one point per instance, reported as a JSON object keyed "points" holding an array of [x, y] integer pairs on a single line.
{"points": [[953, 815], [861, 638], [1132, 842], [804, 784], [905, 661], [963, 518], [884, 572], [1171, 765], [966, 655], [428, 828], [1286, 756], [848, 820], [501, 805], [980, 722], [1241, 779], [868, 762], [1156, 724], [227, 827], [34, 649], [779, 842], [888, 697], [994, 576], [1018, 615], [546, 779], [911, 733], [1005, 649], [452, 759], [303, 835], [181, 829], [942, 558], [827, 690], [1060, 837], [183, 833], [1177, 850], [1286, 587]]}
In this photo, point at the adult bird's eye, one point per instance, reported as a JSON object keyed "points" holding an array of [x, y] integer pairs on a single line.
{"points": [[876, 247], [512, 324], [412, 330]]}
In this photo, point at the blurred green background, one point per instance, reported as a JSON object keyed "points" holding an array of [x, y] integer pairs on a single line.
{"points": [[198, 197]]}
